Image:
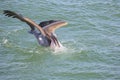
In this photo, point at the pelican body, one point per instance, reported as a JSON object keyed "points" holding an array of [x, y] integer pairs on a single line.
{"points": [[42, 40], [46, 36]]}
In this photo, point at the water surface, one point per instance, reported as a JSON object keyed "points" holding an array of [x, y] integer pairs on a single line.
{"points": [[92, 39]]}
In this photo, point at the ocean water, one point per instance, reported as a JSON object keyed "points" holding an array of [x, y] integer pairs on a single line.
{"points": [[91, 38]]}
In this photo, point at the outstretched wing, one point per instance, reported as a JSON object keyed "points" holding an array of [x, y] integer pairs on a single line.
{"points": [[31, 23], [53, 26]]}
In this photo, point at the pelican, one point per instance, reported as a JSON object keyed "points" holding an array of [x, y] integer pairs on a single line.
{"points": [[46, 36]]}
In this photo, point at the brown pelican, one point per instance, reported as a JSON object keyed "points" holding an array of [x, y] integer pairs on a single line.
{"points": [[46, 36]]}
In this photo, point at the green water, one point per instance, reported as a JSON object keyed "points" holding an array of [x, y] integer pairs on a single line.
{"points": [[92, 39]]}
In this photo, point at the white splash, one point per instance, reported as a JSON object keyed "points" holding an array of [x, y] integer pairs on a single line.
{"points": [[5, 41], [57, 49]]}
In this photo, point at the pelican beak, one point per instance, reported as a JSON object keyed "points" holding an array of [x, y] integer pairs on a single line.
{"points": [[54, 41]]}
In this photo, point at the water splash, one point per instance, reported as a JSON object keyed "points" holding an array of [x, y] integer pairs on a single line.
{"points": [[60, 50], [5, 41]]}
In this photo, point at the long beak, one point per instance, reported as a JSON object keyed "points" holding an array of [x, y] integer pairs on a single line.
{"points": [[55, 41]]}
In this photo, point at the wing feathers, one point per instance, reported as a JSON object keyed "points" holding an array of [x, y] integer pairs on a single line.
{"points": [[24, 19], [52, 27], [46, 30], [13, 14]]}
